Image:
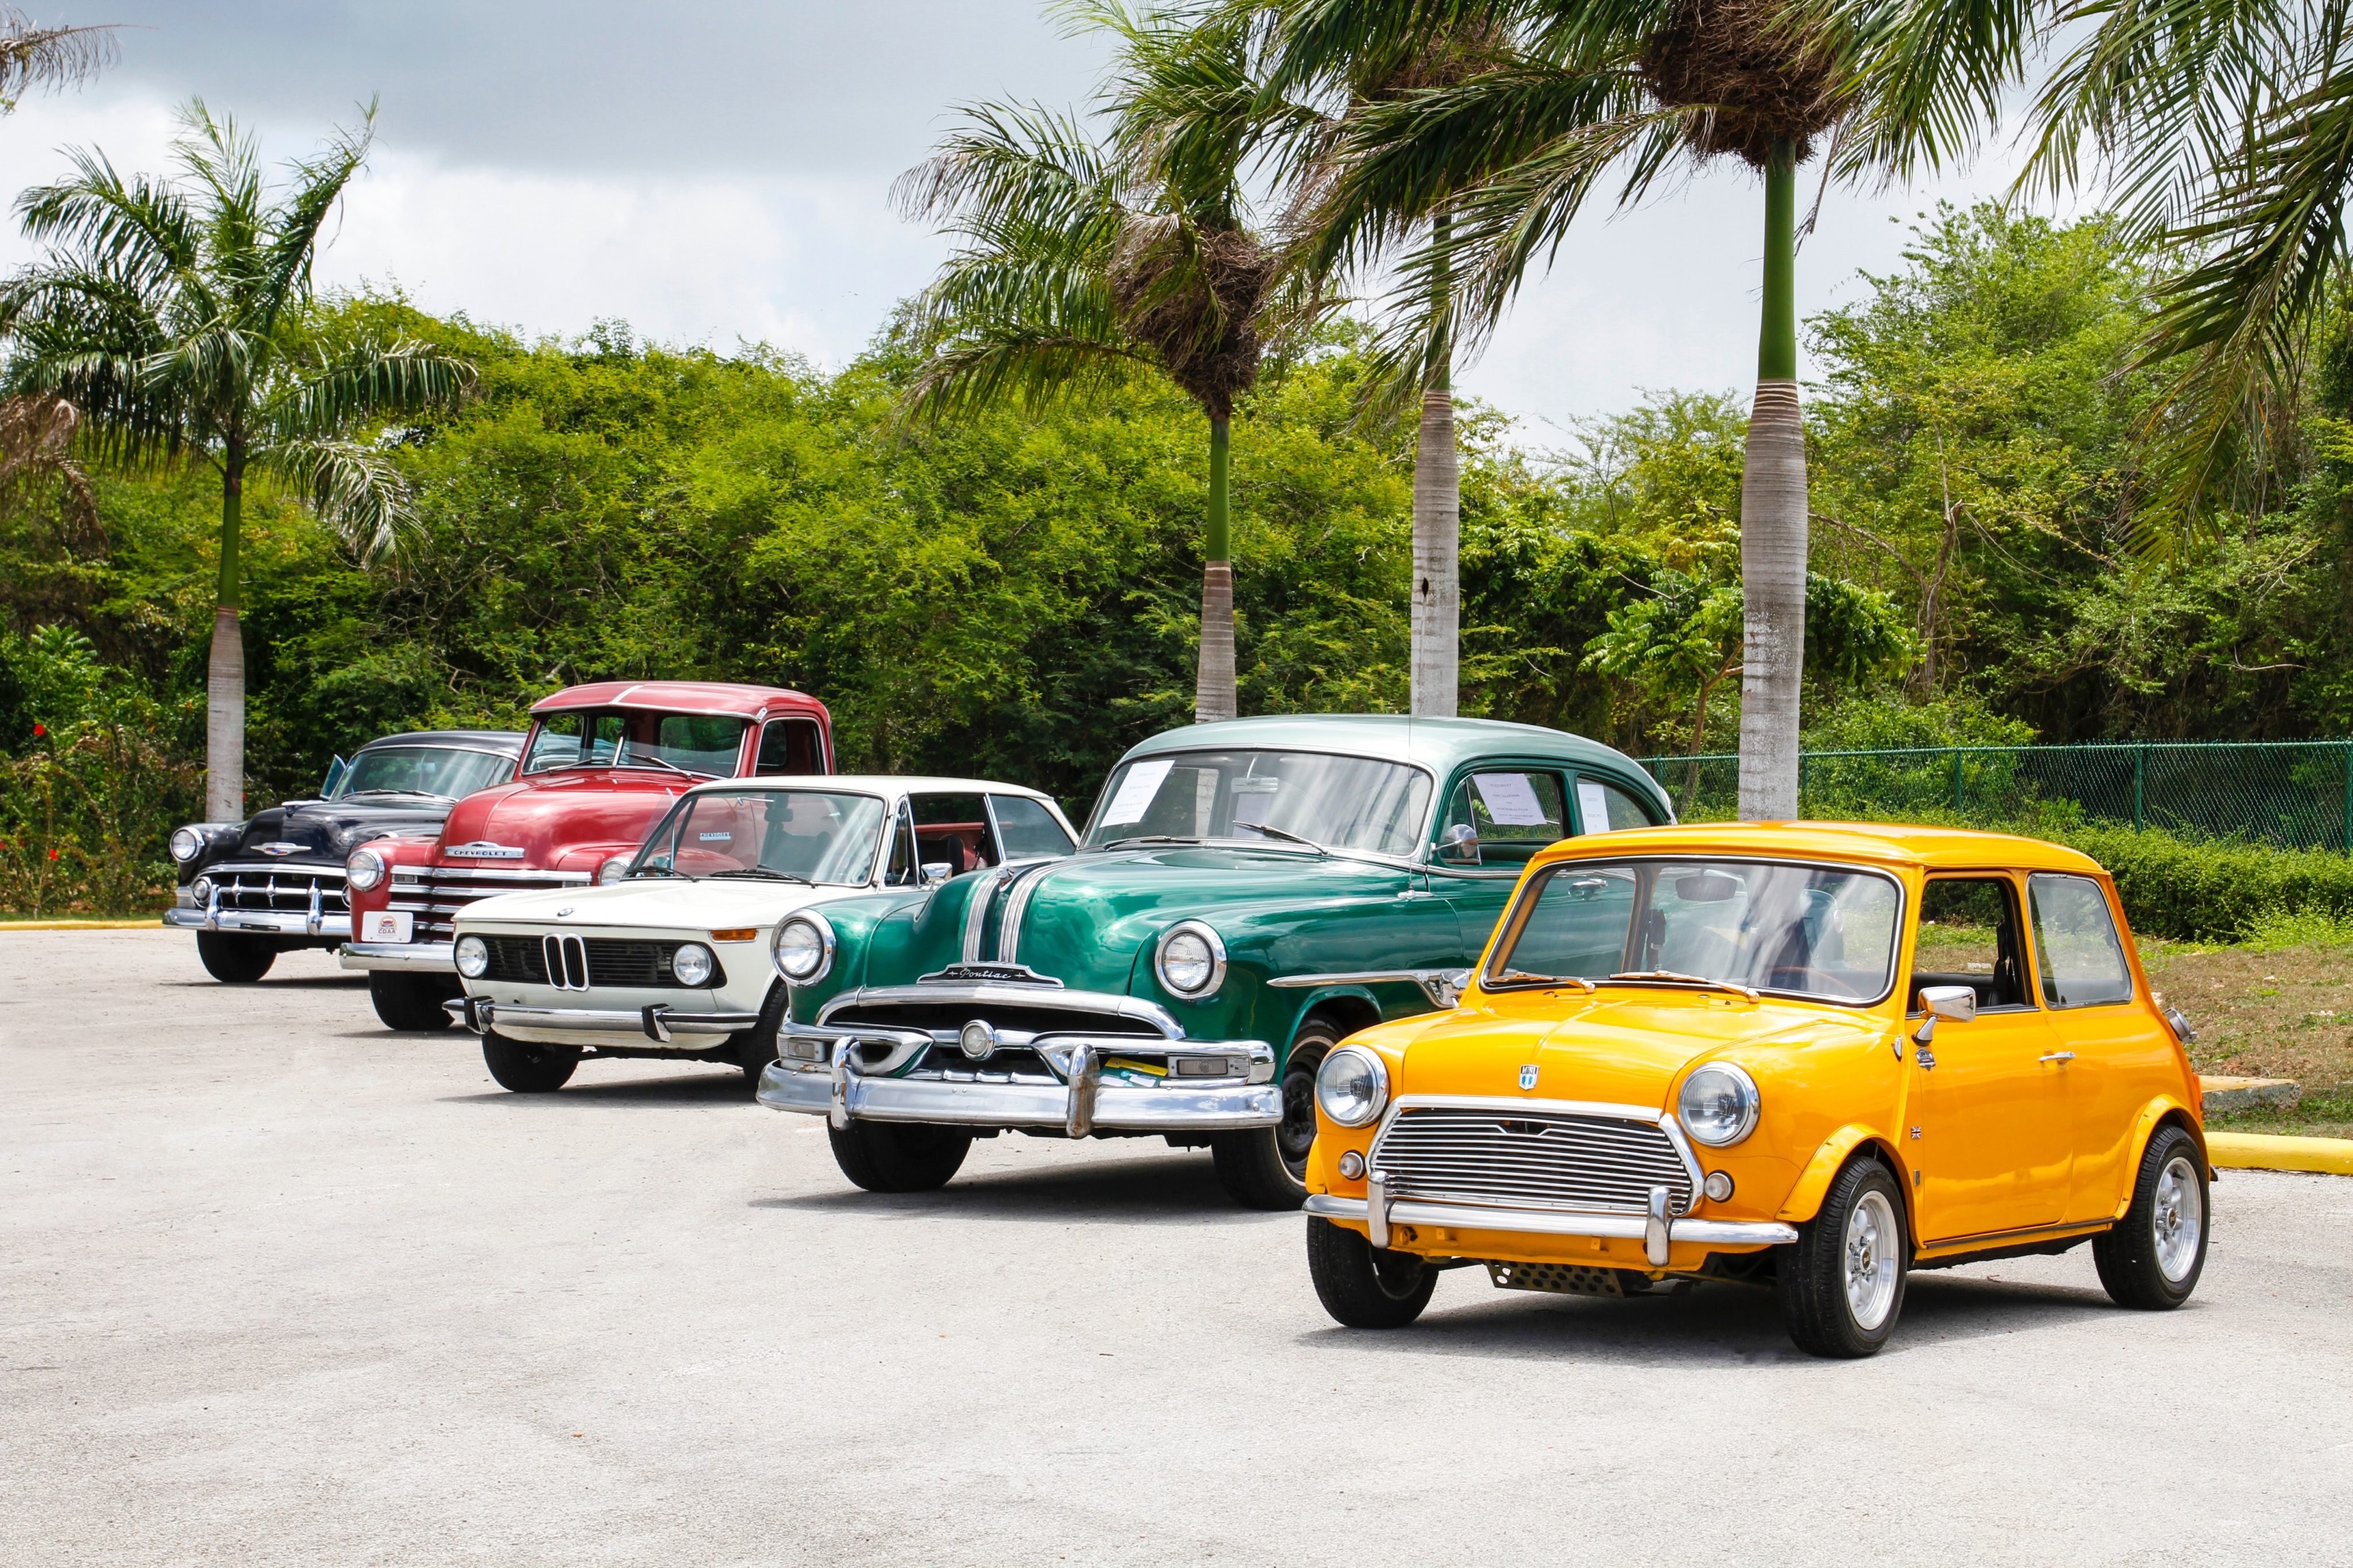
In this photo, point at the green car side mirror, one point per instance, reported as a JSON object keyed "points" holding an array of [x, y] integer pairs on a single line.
{"points": [[1458, 844]]}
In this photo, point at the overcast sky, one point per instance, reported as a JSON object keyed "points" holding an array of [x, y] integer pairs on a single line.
{"points": [[717, 172]]}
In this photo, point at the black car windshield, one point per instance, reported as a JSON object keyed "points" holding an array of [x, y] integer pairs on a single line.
{"points": [[1814, 930], [445, 771], [709, 744], [809, 834], [1334, 802]]}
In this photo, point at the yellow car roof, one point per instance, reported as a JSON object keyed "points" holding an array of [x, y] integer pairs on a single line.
{"points": [[1880, 843]]}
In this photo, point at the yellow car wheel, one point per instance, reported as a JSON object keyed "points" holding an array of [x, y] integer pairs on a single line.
{"points": [[1362, 1286]]}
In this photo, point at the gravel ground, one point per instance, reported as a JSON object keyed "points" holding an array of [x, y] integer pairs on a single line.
{"points": [[279, 1286]]}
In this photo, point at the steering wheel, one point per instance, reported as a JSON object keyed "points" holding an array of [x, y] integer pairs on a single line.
{"points": [[1799, 977]]}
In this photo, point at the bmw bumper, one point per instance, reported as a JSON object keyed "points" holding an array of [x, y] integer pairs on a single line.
{"points": [[658, 1024]]}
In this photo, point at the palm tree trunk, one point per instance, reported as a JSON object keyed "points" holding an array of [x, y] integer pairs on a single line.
{"points": [[1438, 527], [1213, 691], [1773, 526], [225, 676]]}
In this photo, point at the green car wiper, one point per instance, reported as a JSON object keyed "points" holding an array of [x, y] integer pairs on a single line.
{"points": [[1271, 831], [1145, 839]]}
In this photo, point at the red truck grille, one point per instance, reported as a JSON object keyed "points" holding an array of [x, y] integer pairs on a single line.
{"points": [[436, 893]]}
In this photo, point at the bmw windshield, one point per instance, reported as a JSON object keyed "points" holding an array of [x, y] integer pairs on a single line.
{"points": [[1804, 929], [789, 835], [1296, 799]]}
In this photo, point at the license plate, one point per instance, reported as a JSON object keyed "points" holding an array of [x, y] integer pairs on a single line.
{"points": [[387, 925]]}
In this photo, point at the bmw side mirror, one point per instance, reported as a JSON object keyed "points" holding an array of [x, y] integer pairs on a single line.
{"points": [[935, 872], [1458, 844]]}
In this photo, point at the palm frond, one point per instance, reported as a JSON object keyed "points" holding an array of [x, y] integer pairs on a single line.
{"points": [[135, 228], [994, 362], [1925, 81], [354, 487], [365, 381], [34, 59], [294, 223]]}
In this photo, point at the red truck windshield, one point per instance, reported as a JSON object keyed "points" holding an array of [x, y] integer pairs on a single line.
{"points": [[708, 746]]}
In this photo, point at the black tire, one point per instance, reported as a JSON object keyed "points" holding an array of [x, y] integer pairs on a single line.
{"points": [[2141, 1257], [755, 1048], [528, 1069], [1364, 1287], [1855, 1250], [234, 960], [410, 1001], [894, 1157], [1267, 1168]]}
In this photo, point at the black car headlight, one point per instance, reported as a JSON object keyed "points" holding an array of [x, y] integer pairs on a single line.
{"points": [[189, 843]]}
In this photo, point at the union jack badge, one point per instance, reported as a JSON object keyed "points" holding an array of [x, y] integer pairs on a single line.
{"points": [[1528, 1076]]}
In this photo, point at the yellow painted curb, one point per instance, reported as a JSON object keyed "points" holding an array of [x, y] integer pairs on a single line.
{"points": [[152, 922], [2269, 1151]]}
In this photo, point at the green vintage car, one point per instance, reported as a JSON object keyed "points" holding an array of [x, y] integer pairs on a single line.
{"points": [[1247, 893]]}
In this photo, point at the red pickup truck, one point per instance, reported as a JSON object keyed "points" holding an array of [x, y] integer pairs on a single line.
{"points": [[600, 766]]}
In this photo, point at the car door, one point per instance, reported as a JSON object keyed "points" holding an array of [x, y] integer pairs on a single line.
{"points": [[1991, 1128], [1513, 810], [2110, 1048]]}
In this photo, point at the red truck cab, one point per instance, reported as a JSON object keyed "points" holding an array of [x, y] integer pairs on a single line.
{"points": [[600, 766]]}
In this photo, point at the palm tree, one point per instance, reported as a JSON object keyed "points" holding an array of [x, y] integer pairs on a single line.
{"points": [[170, 314], [1637, 90], [1366, 55], [1082, 257]]}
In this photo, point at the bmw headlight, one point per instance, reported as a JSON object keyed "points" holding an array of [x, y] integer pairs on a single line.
{"points": [[473, 956], [693, 963], [1718, 1105], [802, 947], [1352, 1085], [187, 844], [1190, 960], [364, 870]]}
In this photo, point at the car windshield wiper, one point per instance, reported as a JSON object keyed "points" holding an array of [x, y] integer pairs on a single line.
{"points": [[427, 794], [650, 761], [1145, 839], [1521, 977], [1272, 831], [768, 872], [1677, 977]]}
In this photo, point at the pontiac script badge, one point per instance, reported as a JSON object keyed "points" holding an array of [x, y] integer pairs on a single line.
{"points": [[1528, 1074]]}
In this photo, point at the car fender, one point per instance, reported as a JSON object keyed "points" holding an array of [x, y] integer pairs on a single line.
{"points": [[1805, 1199], [2144, 1126]]}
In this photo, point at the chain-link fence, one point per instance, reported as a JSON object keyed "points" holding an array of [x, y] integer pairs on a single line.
{"points": [[2295, 793]]}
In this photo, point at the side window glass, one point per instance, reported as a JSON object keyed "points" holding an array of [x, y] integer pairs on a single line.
{"points": [[901, 870], [557, 744], [788, 746], [1028, 828], [1511, 813], [1606, 808], [1578, 925], [953, 830], [1969, 936], [2076, 943]]}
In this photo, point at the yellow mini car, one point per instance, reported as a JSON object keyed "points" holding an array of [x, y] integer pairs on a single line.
{"points": [[1815, 1055]]}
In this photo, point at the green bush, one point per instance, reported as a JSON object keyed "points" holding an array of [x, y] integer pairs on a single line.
{"points": [[2213, 890]]}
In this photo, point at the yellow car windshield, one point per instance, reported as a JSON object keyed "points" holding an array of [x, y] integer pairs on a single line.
{"points": [[1811, 930]]}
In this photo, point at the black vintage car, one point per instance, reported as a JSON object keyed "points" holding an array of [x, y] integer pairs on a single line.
{"points": [[251, 891]]}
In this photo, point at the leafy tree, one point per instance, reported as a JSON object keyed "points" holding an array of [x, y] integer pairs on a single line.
{"points": [[34, 59], [169, 313]]}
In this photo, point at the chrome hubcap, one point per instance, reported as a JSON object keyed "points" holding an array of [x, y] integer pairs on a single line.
{"points": [[1872, 1260], [2179, 1220]]}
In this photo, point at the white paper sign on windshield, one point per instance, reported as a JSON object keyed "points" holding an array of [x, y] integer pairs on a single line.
{"points": [[1136, 790], [1593, 805], [1512, 800]]}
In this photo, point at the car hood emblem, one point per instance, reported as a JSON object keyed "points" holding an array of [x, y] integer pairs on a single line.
{"points": [[1528, 1074], [279, 846], [564, 912], [483, 850]]}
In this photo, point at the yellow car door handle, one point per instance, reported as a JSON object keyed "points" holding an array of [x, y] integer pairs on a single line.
{"points": [[2058, 1056]]}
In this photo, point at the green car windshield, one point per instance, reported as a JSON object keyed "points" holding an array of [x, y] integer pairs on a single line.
{"points": [[808, 835], [1266, 797], [1810, 930]]}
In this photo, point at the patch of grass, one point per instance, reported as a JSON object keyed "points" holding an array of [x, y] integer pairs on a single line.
{"points": [[6, 916], [2264, 1012], [2314, 1116], [2276, 927]]}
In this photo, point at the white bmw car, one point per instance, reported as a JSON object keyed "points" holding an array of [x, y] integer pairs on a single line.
{"points": [[669, 956]]}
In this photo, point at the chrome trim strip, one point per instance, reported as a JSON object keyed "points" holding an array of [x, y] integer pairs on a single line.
{"points": [[324, 869], [1616, 1227], [488, 874], [1443, 986], [1377, 1210], [1017, 905], [984, 994], [424, 957], [481, 1013], [1083, 1082], [1656, 1223]]}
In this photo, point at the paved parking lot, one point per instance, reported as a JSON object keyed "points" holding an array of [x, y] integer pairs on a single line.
{"points": [[279, 1286]]}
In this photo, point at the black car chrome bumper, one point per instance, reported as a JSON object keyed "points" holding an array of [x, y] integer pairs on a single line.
{"points": [[263, 923]]}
